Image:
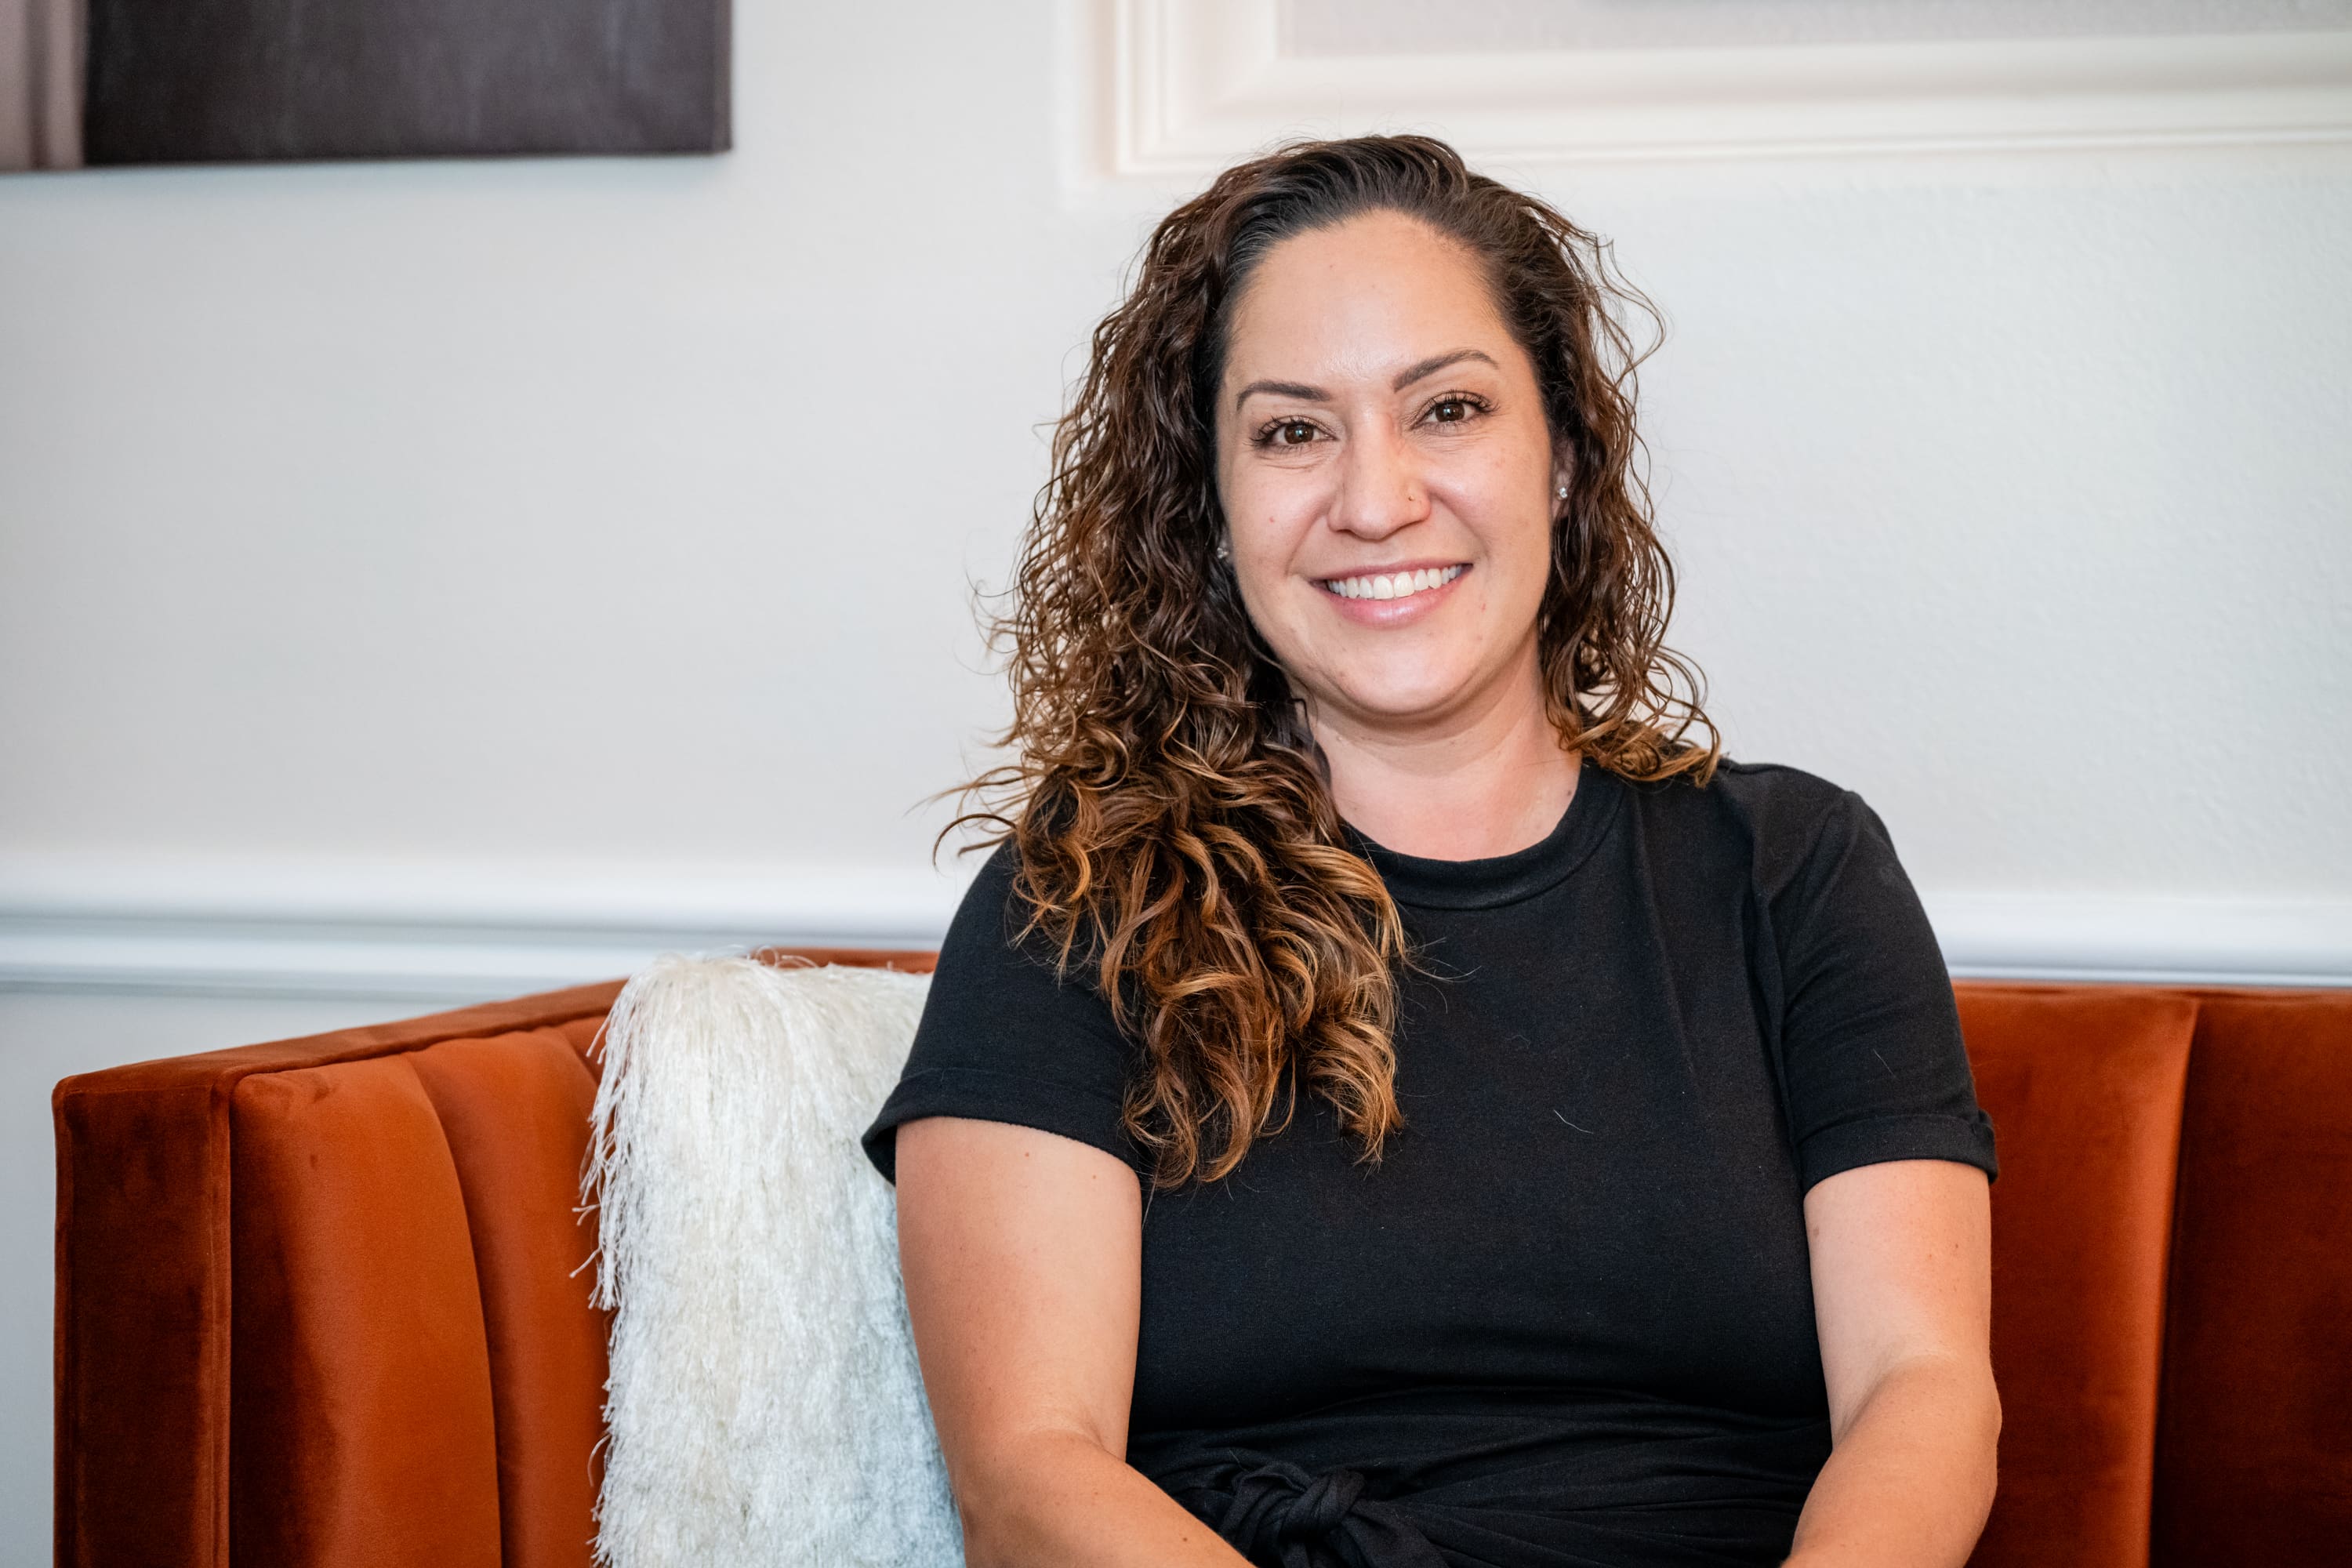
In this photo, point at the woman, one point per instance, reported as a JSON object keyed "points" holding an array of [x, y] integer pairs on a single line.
{"points": [[1393, 1098]]}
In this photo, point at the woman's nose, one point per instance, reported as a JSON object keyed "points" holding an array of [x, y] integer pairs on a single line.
{"points": [[1381, 488]]}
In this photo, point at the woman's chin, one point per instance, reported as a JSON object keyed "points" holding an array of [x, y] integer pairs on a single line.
{"points": [[1406, 705]]}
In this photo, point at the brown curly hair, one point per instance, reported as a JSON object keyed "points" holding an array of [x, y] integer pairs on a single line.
{"points": [[1175, 829]]}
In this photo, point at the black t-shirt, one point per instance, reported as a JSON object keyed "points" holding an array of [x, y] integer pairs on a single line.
{"points": [[1568, 1319]]}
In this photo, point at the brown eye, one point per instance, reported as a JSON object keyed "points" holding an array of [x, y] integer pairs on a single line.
{"points": [[1449, 411], [1294, 433]]}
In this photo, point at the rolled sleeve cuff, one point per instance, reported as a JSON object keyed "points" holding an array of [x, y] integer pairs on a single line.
{"points": [[1061, 1109], [1875, 1140]]}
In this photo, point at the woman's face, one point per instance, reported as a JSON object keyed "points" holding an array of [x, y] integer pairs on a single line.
{"points": [[1386, 477]]}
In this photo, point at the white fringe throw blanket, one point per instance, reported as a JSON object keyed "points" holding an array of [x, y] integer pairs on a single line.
{"points": [[764, 1404]]}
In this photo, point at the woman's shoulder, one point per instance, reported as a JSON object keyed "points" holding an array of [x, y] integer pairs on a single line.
{"points": [[988, 899], [993, 916], [994, 947], [1008, 1033], [1772, 798], [1782, 816]]}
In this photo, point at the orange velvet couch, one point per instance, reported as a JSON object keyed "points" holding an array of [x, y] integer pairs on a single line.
{"points": [[321, 1304]]}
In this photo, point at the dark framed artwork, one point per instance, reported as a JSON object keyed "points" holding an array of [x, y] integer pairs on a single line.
{"points": [[103, 82]]}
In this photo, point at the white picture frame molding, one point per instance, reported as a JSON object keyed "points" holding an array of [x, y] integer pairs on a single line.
{"points": [[1190, 86]]}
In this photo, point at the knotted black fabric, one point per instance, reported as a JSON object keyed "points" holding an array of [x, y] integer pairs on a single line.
{"points": [[1279, 1516], [1528, 1501]]}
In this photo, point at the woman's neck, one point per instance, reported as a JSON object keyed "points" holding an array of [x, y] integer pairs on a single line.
{"points": [[1486, 782]]}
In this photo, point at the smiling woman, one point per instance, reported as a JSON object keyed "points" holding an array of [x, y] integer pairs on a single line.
{"points": [[1417, 490], [1396, 1098]]}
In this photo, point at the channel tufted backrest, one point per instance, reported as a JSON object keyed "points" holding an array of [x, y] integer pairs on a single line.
{"points": [[321, 1301], [2083, 1084], [2172, 1273], [514, 1110], [2253, 1460]]}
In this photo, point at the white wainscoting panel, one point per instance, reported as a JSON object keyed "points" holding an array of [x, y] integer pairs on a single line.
{"points": [[1189, 86]]}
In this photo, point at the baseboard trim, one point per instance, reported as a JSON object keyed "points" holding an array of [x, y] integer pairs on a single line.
{"points": [[457, 932]]}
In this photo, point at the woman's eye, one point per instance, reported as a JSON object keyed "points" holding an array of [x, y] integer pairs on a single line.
{"points": [[1293, 433], [1450, 410]]}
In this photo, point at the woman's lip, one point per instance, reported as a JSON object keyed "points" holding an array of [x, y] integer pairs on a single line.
{"points": [[1391, 569], [1393, 612]]}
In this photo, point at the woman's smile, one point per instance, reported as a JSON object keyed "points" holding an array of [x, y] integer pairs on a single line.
{"points": [[1392, 595]]}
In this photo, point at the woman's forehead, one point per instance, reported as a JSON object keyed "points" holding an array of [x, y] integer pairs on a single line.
{"points": [[1366, 298]]}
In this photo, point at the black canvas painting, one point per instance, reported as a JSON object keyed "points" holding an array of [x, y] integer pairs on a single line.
{"points": [[175, 81]]}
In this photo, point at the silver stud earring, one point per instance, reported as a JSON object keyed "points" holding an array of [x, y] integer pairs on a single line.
{"points": [[1561, 492], [1225, 550]]}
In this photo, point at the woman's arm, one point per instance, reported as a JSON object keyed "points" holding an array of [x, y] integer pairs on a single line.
{"points": [[1903, 1297], [1023, 1256]]}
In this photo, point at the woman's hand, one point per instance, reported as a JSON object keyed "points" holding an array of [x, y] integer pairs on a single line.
{"points": [[1903, 1297], [1023, 1256]]}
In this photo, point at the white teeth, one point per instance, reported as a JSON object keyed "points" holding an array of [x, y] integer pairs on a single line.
{"points": [[1395, 585]]}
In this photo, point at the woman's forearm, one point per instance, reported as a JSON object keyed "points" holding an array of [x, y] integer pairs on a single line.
{"points": [[1060, 1501], [1910, 1481]]}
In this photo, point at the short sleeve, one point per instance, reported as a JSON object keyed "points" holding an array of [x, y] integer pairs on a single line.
{"points": [[1004, 1038], [1872, 1060]]}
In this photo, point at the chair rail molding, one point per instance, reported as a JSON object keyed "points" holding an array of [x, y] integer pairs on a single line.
{"points": [[464, 929], [1184, 87], [318, 928]]}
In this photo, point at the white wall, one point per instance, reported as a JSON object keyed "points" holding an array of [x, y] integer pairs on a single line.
{"points": [[500, 567], [538, 508], [461, 537]]}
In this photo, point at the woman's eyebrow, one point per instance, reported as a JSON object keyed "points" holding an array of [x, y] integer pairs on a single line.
{"points": [[1298, 389], [1433, 365], [1306, 393]]}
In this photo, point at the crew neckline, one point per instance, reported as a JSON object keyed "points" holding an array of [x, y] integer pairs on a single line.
{"points": [[1500, 880]]}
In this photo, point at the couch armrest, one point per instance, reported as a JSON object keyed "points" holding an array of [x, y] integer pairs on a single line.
{"points": [[145, 1273]]}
